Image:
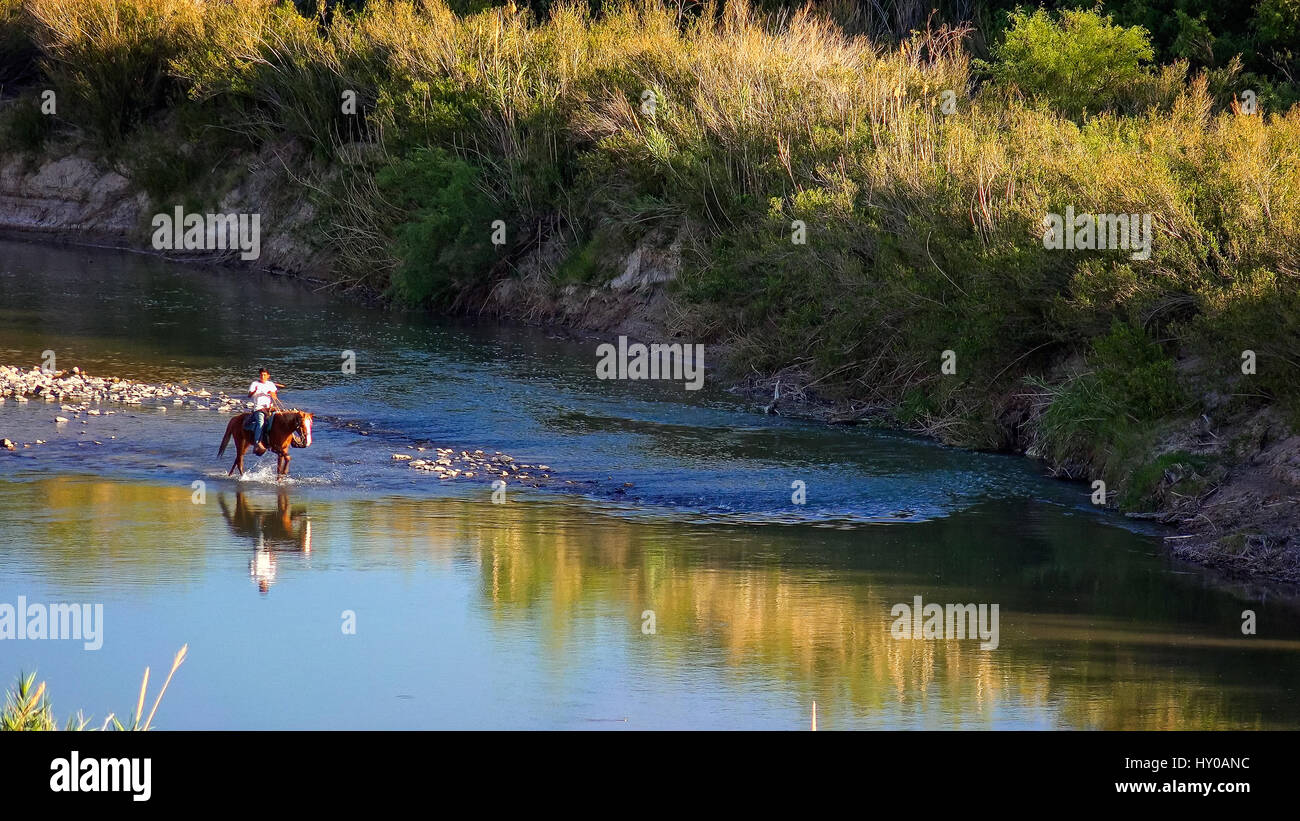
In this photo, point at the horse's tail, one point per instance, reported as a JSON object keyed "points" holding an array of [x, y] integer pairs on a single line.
{"points": [[225, 440]]}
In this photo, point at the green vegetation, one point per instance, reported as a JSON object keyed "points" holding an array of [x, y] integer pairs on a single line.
{"points": [[110, 60], [27, 706], [25, 128], [1079, 63], [1142, 488], [1129, 384], [444, 243], [921, 164], [28, 709]]}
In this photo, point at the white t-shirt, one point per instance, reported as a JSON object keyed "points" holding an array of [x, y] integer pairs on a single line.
{"points": [[262, 393]]}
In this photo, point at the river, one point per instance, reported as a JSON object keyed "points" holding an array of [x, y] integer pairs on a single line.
{"points": [[665, 579]]}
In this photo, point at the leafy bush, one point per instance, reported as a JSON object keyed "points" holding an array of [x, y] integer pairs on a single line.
{"points": [[1130, 383], [1077, 61], [1135, 373], [445, 243], [25, 126]]}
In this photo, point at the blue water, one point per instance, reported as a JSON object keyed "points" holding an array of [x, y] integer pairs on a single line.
{"points": [[530, 613]]}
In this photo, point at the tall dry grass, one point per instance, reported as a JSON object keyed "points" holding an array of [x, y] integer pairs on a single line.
{"points": [[27, 706], [112, 57]]}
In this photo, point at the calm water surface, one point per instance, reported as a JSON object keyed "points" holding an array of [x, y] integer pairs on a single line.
{"points": [[532, 613]]}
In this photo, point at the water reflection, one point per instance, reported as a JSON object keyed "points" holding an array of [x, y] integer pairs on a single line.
{"points": [[753, 622], [284, 529]]}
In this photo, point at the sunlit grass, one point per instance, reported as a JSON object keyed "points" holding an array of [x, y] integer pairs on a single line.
{"points": [[27, 705]]}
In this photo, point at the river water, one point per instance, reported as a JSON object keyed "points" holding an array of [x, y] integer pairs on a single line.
{"points": [[666, 579]]}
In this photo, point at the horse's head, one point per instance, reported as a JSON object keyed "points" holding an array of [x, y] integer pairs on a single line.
{"points": [[304, 425]]}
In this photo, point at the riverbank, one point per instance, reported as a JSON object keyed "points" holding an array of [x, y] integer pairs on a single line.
{"points": [[854, 249]]}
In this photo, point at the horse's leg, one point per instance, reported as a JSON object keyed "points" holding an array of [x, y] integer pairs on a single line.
{"points": [[241, 444], [284, 463]]}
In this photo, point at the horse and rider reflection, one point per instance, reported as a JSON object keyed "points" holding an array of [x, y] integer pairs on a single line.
{"points": [[282, 530]]}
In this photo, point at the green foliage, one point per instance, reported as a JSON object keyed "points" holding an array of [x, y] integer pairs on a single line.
{"points": [[1277, 23], [27, 707], [164, 166], [18, 52], [109, 59], [1130, 384], [1141, 489], [444, 244], [1077, 61], [1135, 373], [1259, 311], [24, 127], [593, 261]]}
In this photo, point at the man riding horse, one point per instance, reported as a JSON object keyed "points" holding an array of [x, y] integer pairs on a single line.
{"points": [[283, 429], [263, 392]]}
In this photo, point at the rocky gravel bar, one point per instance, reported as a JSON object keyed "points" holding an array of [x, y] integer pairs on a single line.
{"points": [[76, 391], [78, 395]]}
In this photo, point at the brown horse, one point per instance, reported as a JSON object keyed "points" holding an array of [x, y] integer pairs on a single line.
{"points": [[284, 424]]}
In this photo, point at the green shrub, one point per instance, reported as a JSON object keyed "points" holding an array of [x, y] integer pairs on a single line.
{"points": [[1141, 488], [595, 260], [1135, 373], [25, 126], [1077, 61], [1130, 383], [444, 244]]}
